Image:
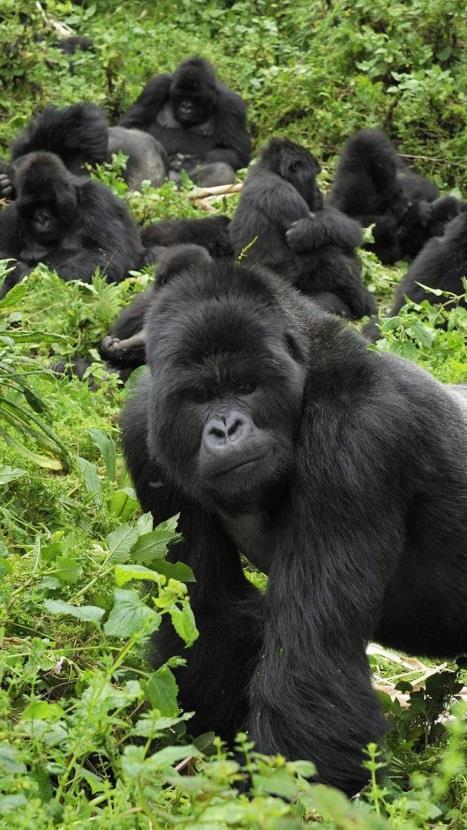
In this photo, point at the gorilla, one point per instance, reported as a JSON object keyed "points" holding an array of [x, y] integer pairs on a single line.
{"points": [[375, 186], [211, 232], [74, 43], [280, 222], [71, 224], [124, 348], [339, 471], [441, 264], [80, 136], [147, 159], [200, 122]]}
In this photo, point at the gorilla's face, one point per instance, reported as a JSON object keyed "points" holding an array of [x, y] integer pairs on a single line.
{"points": [[296, 165], [46, 199], [228, 376], [192, 96]]}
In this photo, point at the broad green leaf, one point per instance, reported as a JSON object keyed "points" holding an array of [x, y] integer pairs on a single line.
{"points": [[42, 710], [68, 570], [129, 616], [162, 690], [174, 570], [91, 480], [125, 573], [106, 447], [8, 474], [86, 613], [183, 621], [40, 460], [121, 541], [123, 503]]}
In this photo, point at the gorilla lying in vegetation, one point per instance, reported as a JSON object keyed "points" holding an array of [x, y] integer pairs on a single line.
{"points": [[80, 136], [69, 223], [280, 222], [374, 185], [200, 122], [339, 471], [125, 346]]}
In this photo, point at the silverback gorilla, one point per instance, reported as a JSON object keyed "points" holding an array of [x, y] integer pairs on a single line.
{"points": [[339, 471], [200, 122], [69, 223], [280, 222]]}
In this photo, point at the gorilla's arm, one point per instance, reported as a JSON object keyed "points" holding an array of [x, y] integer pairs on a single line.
{"points": [[233, 144], [326, 227], [10, 248], [105, 238], [143, 112], [325, 595]]}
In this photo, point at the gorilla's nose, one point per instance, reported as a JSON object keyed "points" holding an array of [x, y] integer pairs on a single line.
{"points": [[226, 432]]}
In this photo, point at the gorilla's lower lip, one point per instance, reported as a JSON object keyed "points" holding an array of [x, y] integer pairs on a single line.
{"points": [[240, 465]]}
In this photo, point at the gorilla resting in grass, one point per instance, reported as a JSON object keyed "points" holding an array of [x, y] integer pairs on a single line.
{"points": [[374, 185], [70, 223], [200, 122], [280, 222], [341, 472]]}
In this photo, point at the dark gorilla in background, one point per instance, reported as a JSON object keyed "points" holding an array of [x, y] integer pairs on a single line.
{"points": [[200, 122], [74, 43], [71, 224], [374, 185], [211, 232], [280, 222], [80, 136], [339, 471], [441, 264], [125, 346]]}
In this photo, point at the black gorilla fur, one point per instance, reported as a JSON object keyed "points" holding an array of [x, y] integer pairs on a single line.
{"points": [[374, 185], [80, 136], [441, 264], [200, 122], [211, 232], [125, 346], [71, 224], [341, 472], [281, 213]]}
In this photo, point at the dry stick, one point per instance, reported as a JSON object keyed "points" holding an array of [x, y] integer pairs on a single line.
{"points": [[62, 30], [218, 190]]}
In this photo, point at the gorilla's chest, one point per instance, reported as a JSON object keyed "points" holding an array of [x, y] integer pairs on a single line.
{"points": [[249, 532], [192, 141]]}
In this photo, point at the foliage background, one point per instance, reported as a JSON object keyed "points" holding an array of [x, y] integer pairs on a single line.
{"points": [[89, 735]]}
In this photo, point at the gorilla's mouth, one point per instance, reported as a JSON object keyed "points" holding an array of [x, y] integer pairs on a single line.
{"points": [[240, 465]]}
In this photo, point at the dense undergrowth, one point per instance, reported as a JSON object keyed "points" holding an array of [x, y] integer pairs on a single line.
{"points": [[90, 736]]}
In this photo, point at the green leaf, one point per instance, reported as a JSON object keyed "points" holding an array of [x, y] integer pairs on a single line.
{"points": [[121, 541], [123, 503], [68, 570], [184, 623], [8, 474], [86, 613], [42, 710], [174, 570], [106, 447], [40, 460], [162, 690], [129, 616], [125, 573], [91, 480]]}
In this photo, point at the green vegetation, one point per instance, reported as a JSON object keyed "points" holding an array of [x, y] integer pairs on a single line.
{"points": [[90, 736]]}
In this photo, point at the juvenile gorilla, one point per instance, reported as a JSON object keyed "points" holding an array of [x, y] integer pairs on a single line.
{"points": [[375, 186], [339, 471], [200, 122], [280, 222], [71, 224]]}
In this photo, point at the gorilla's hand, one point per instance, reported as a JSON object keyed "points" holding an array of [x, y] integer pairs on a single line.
{"points": [[299, 234], [6, 186]]}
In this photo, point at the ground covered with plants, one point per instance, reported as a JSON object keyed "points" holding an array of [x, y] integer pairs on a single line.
{"points": [[90, 735]]}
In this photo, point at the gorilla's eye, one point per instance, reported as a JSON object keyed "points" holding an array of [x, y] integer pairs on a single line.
{"points": [[200, 395], [245, 388]]}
